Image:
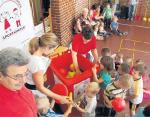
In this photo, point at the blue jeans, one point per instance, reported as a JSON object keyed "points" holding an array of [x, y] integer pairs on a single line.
{"points": [[131, 11]]}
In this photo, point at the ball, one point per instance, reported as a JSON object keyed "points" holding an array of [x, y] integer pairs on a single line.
{"points": [[144, 19], [71, 74], [72, 68], [118, 104], [63, 71]]}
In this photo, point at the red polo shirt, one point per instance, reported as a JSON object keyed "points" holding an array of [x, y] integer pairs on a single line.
{"points": [[17, 103], [79, 46]]}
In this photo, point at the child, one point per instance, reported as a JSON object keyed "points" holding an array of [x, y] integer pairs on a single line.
{"points": [[124, 68], [129, 61], [96, 28], [45, 108], [105, 52], [102, 32], [103, 77], [114, 27], [107, 14], [116, 89], [136, 92], [118, 59], [89, 102], [77, 28]]}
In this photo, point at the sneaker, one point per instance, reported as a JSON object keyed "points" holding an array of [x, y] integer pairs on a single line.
{"points": [[100, 38], [125, 33], [120, 34], [131, 19]]}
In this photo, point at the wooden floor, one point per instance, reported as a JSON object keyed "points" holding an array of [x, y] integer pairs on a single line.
{"points": [[136, 44]]}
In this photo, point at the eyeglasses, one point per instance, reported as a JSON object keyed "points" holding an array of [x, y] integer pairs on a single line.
{"points": [[53, 48], [19, 76]]}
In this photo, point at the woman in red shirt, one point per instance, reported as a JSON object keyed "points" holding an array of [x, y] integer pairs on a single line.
{"points": [[82, 44]]}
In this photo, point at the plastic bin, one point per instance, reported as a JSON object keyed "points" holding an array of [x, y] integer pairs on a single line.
{"points": [[79, 82]]}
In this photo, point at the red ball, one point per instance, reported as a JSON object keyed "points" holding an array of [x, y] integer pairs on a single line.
{"points": [[63, 71], [118, 104]]}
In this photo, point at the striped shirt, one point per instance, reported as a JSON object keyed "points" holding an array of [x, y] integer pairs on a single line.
{"points": [[51, 113], [112, 91]]}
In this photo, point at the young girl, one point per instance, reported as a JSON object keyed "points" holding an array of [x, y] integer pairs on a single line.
{"points": [[88, 100], [102, 32], [39, 48]]}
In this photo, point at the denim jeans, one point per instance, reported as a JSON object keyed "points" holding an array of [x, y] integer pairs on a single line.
{"points": [[131, 11]]}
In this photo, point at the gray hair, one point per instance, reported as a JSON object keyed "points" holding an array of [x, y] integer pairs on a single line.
{"points": [[11, 56]]}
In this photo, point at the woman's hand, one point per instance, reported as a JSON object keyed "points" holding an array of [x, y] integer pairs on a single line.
{"points": [[78, 71], [94, 70]]}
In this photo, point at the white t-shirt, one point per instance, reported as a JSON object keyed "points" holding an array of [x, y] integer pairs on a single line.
{"points": [[36, 64], [90, 107], [137, 88]]}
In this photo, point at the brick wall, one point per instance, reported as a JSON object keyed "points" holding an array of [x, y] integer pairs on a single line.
{"points": [[63, 13]]}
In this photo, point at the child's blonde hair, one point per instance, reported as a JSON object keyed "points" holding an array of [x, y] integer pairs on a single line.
{"points": [[114, 18], [128, 60], [126, 81], [141, 68], [42, 103], [47, 39], [93, 86]]}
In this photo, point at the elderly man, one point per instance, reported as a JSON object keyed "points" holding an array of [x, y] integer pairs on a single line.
{"points": [[15, 99]]}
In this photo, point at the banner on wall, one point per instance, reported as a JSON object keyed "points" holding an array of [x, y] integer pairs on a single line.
{"points": [[16, 22]]}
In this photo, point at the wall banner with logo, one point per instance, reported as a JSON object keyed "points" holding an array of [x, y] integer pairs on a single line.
{"points": [[16, 22]]}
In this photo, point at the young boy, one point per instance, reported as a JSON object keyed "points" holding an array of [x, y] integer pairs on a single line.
{"points": [[102, 32], [45, 108], [136, 92], [116, 89], [88, 100], [103, 77], [114, 27], [105, 52], [123, 69], [107, 14], [118, 59]]}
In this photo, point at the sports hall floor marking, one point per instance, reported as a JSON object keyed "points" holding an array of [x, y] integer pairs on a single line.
{"points": [[120, 44], [135, 50], [132, 50], [135, 25], [138, 41]]}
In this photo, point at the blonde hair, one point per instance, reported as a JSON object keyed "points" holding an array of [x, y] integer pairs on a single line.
{"points": [[42, 102], [85, 10], [115, 18], [93, 86], [128, 60], [126, 80], [47, 39]]}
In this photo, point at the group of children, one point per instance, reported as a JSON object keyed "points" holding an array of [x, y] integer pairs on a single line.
{"points": [[119, 78]]}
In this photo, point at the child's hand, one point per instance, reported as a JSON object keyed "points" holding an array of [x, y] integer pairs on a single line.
{"points": [[78, 71]]}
